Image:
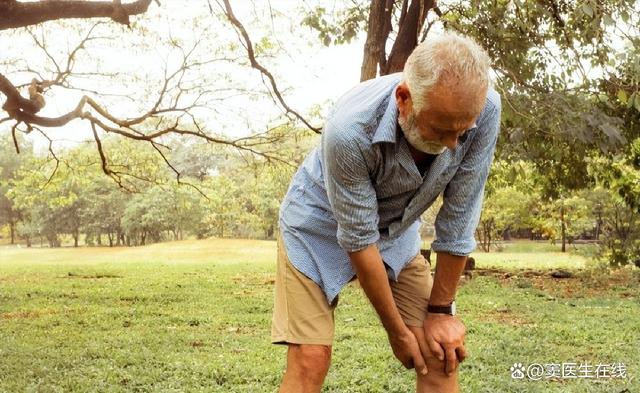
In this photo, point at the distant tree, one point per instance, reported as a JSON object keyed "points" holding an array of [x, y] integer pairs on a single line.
{"points": [[566, 218], [265, 192], [506, 209], [10, 215], [621, 174], [51, 205], [222, 209], [103, 211], [183, 207], [618, 203], [143, 220]]}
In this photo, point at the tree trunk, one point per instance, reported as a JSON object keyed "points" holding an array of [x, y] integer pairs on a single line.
{"points": [[563, 229], [412, 18], [410, 26], [485, 240], [378, 28], [12, 229]]}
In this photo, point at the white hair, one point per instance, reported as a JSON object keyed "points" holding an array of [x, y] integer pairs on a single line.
{"points": [[448, 57]]}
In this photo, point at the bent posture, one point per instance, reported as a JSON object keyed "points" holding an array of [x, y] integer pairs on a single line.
{"points": [[390, 147]]}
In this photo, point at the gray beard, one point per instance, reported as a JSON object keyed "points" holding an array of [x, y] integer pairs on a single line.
{"points": [[410, 130]]}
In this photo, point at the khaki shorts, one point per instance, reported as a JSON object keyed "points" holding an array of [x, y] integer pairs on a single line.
{"points": [[301, 314]]}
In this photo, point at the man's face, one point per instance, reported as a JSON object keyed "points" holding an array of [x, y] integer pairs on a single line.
{"points": [[448, 114]]}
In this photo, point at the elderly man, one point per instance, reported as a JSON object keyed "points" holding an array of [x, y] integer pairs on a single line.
{"points": [[390, 147]]}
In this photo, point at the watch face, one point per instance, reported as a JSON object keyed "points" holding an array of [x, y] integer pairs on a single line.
{"points": [[453, 308]]}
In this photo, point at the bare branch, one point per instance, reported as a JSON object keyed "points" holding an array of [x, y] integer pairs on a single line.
{"points": [[15, 139], [103, 158], [254, 64], [178, 174], [170, 113], [53, 154]]}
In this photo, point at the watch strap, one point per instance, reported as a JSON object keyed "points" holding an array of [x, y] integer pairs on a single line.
{"points": [[450, 309]]}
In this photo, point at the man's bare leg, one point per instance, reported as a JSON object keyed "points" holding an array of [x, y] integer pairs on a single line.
{"points": [[307, 366], [436, 381]]}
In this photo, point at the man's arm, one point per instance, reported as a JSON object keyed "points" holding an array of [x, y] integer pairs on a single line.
{"points": [[355, 207], [445, 333], [455, 227], [374, 281], [445, 283]]}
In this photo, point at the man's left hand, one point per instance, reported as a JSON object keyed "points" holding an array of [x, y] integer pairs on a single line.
{"points": [[444, 335]]}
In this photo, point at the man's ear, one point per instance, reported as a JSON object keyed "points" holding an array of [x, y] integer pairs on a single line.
{"points": [[403, 99]]}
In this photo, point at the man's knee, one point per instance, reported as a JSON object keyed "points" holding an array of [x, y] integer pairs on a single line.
{"points": [[309, 361], [437, 380], [436, 367]]}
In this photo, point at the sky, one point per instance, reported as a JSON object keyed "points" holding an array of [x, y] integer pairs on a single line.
{"points": [[307, 72]]}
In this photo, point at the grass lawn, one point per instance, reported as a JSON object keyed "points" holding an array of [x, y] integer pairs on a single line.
{"points": [[195, 316]]}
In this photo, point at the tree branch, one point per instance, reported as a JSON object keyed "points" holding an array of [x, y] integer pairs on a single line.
{"points": [[15, 139], [15, 13], [254, 63], [171, 112], [14, 100]]}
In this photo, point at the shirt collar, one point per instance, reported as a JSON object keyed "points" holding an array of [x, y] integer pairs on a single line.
{"points": [[386, 131]]}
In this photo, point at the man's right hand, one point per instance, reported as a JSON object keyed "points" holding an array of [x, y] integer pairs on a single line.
{"points": [[406, 349]]}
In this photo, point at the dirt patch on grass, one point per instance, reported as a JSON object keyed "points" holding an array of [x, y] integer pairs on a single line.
{"points": [[622, 283], [30, 314], [97, 275], [506, 316]]}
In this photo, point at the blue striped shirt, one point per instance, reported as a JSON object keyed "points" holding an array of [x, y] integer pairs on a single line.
{"points": [[361, 186]]}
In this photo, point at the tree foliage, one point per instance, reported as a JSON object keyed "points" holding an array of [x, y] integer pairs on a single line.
{"points": [[567, 71], [230, 196]]}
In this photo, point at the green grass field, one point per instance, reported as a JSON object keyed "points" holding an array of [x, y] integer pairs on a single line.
{"points": [[194, 316]]}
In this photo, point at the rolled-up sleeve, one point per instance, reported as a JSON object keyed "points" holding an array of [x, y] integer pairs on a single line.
{"points": [[349, 188], [458, 218]]}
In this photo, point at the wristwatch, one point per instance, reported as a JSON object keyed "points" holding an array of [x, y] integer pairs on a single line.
{"points": [[450, 309]]}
